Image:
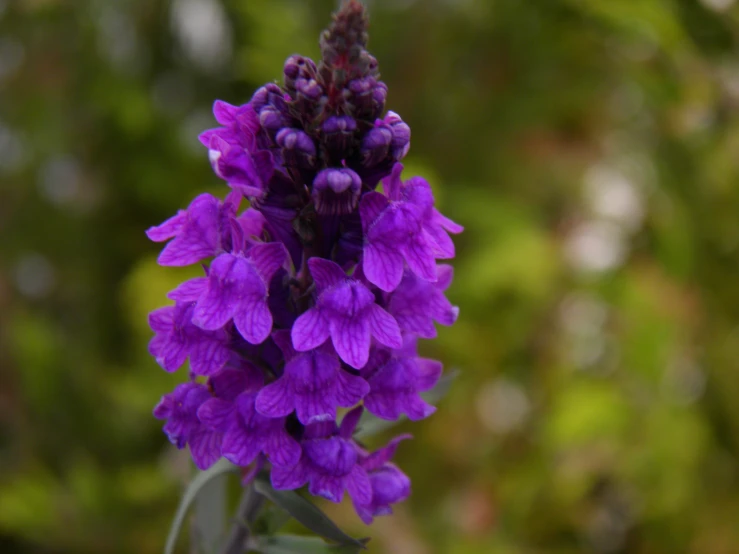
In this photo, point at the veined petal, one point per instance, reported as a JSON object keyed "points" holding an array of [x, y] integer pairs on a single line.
{"points": [[253, 319], [383, 265], [351, 338], [384, 327], [268, 258], [310, 330]]}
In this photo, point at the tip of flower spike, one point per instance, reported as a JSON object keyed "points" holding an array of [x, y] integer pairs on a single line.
{"points": [[343, 52]]}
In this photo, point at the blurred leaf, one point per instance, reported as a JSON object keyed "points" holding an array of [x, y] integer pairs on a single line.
{"points": [[191, 494], [294, 544], [305, 512]]}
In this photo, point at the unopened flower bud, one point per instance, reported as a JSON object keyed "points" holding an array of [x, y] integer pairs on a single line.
{"points": [[297, 67], [299, 150], [401, 142], [271, 120], [376, 145], [336, 191], [338, 134]]}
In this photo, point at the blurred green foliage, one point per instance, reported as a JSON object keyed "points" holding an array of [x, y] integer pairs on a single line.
{"points": [[590, 148]]}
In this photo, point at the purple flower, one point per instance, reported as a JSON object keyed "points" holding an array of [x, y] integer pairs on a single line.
{"points": [[346, 311], [183, 427], [396, 377], [401, 134], [338, 134], [389, 484], [298, 149], [416, 303], [237, 289], [199, 232], [328, 463], [336, 191], [177, 338], [233, 150], [394, 234], [417, 191], [313, 384], [318, 254], [246, 433]]}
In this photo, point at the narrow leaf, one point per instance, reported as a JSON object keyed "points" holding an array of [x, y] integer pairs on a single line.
{"points": [[191, 493], [371, 425], [305, 512], [294, 544]]}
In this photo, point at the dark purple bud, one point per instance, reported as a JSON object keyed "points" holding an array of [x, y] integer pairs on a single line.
{"points": [[309, 89], [338, 134], [266, 95], [298, 67], [260, 99], [379, 95], [336, 191], [401, 136], [376, 145], [359, 94], [271, 120], [299, 150]]}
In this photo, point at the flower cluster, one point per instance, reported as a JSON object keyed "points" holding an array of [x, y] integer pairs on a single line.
{"points": [[314, 296]]}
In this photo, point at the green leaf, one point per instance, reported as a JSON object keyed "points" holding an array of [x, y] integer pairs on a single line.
{"points": [[294, 544], [305, 512], [371, 425], [191, 493]]}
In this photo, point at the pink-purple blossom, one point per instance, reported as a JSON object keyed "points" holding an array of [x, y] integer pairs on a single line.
{"points": [[316, 283]]}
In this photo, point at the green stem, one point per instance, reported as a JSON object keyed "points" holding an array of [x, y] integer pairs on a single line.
{"points": [[249, 506]]}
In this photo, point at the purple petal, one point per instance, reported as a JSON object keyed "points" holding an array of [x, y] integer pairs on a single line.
{"points": [[358, 485], [332, 456], [268, 258], [383, 265], [447, 223], [168, 229], [231, 382], [189, 291], [417, 191], [383, 455], [224, 112], [350, 389], [393, 184], [371, 207], [384, 327], [350, 421], [326, 273], [208, 354], [289, 478], [160, 320], [282, 449], [199, 236], [444, 275], [310, 330], [253, 319], [420, 257], [284, 343], [327, 486], [205, 447], [275, 400], [252, 222], [231, 279], [170, 354], [428, 373], [239, 445], [351, 338], [216, 414]]}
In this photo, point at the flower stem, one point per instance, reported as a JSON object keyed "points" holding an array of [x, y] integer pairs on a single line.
{"points": [[249, 506]]}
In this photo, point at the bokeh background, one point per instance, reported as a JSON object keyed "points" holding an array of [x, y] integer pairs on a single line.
{"points": [[591, 149]]}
